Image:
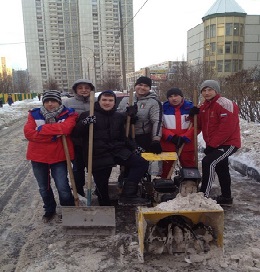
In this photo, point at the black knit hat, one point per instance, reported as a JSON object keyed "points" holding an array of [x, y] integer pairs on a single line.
{"points": [[52, 95], [108, 92], [175, 91], [144, 80]]}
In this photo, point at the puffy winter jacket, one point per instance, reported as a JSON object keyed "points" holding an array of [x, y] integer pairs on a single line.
{"points": [[108, 139], [219, 121], [45, 144], [176, 122], [78, 103], [149, 115]]}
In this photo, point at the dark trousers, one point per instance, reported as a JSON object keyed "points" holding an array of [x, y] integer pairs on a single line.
{"points": [[217, 162], [79, 167], [101, 178], [144, 140], [136, 165]]}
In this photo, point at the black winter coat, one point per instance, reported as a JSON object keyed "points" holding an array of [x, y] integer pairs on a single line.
{"points": [[108, 140]]}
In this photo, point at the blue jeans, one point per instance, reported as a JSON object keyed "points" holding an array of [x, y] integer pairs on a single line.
{"points": [[59, 173]]}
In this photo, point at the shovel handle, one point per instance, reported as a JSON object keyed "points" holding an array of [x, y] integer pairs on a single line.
{"points": [[128, 118], [195, 125], [72, 180], [174, 163], [90, 149]]}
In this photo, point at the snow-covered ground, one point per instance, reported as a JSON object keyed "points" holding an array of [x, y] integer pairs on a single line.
{"points": [[247, 156], [27, 244]]}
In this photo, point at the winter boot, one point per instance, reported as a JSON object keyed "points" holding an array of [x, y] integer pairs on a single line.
{"points": [[129, 196], [224, 201]]}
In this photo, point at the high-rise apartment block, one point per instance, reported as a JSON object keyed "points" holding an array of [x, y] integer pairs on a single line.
{"points": [[71, 39]]}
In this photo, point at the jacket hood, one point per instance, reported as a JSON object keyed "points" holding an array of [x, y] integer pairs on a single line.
{"points": [[79, 81]]}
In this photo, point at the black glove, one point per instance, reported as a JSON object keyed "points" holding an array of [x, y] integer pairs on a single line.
{"points": [[131, 144], [132, 110], [133, 120], [156, 147], [177, 140], [89, 120], [194, 111], [209, 149], [139, 150]]}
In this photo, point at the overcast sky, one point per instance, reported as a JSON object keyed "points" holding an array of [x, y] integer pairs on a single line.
{"points": [[160, 28]]}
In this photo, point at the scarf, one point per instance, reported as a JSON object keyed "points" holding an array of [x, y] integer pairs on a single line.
{"points": [[50, 116]]}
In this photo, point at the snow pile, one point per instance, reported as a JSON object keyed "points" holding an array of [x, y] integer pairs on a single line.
{"points": [[192, 202]]}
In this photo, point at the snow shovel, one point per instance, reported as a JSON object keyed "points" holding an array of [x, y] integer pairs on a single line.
{"points": [[72, 180], [90, 220]]}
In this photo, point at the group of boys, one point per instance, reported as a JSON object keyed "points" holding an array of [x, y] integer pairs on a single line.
{"points": [[157, 127]]}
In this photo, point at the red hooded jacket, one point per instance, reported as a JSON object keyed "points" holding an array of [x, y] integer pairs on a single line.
{"points": [[45, 144], [218, 120]]}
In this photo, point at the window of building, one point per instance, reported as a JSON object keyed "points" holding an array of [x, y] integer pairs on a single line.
{"points": [[212, 31], [227, 65], [229, 29], [221, 30], [241, 49], [228, 46], [235, 64], [235, 47], [220, 65], [220, 48], [213, 47], [207, 32], [236, 29], [241, 30]]}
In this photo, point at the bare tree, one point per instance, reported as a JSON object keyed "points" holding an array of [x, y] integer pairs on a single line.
{"points": [[244, 88], [110, 82], [51, 84], [6, 83], [21, 81]]}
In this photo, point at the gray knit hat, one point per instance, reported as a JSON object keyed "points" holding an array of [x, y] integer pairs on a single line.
{"points": [[52, 95], [79, 81], [213, 84]]}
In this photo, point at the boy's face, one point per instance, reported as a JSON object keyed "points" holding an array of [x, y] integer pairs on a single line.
{"points": [[51, 104], [142, 90], [175, 99], [208, 93], [83, 89], [107, 102]]}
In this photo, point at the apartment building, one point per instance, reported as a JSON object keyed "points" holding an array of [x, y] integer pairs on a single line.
{"points": [[71, 39], [228, 40]]}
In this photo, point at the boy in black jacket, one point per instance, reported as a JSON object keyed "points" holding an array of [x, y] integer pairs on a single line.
{"points": [[110, 149]]}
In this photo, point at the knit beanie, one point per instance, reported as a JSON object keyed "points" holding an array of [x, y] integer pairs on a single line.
{"points": [[213, 84], [108, 92], [174, 91], [52, 95], [144, 80], [84, 81]]}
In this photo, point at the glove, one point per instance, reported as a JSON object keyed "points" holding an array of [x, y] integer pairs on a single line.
{"points": [[139, 150], [89, 120], [131, 144], [156, 147], [209, 149], [133, 120], [132, 110], [178, 141], [194, 111]]}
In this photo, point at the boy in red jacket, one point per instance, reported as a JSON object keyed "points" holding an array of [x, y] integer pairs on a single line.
{"points": [[218, 119], [43, 129]]}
